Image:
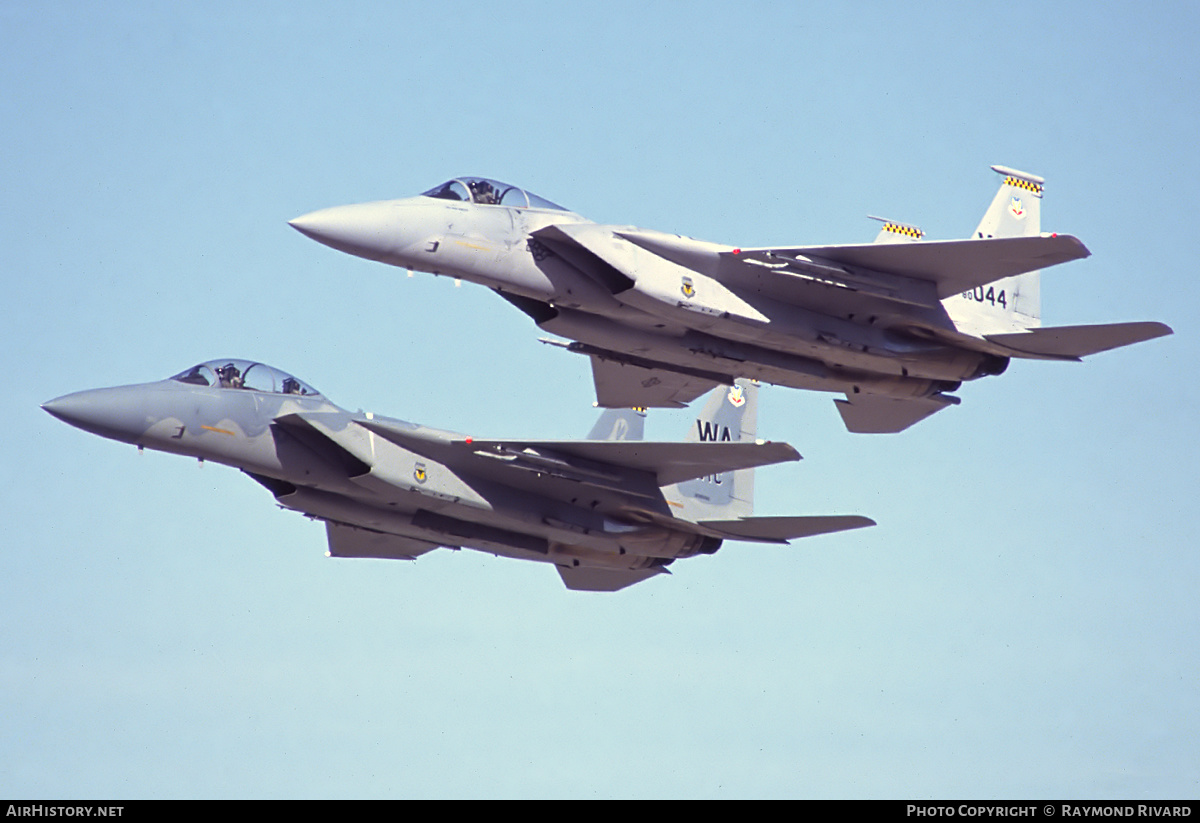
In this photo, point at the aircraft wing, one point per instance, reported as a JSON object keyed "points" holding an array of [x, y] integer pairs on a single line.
{"points": [[670, 462], [899, 271], [624, 385], [592, 579], [783, 529], [351, 541]]}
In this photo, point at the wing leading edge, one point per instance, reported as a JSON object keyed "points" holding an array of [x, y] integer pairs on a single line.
{"points": [[954, 266], [607, 460], [669, 462]]}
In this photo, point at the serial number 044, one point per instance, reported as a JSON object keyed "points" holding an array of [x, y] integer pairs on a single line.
{"points": [[981, 294]]}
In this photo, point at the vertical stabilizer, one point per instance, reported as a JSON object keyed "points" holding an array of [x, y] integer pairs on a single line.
{"points": [[1016, 210], [729, 415], [893, 231], [619, 424], [1014, 303]]}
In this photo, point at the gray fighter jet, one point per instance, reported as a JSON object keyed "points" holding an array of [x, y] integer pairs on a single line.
{"points": [[894, 325], [608, 512]]}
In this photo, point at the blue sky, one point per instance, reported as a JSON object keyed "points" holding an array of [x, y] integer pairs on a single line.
{"points": [[1022, 622]]}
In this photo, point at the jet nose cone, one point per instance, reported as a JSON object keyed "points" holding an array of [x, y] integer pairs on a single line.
{"points": [[106, 412], [319, 224], [70, 408], [59, 408], [367, 230]]}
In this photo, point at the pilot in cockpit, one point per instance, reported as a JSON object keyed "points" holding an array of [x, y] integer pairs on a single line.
{"points": [[230, 377], [484, 192]]}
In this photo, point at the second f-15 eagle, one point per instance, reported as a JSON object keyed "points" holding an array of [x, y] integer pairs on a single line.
{"points": [[607, 512], [895, 325]]}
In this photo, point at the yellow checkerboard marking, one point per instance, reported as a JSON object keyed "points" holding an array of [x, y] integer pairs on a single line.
{"points": [[1036, 188]]}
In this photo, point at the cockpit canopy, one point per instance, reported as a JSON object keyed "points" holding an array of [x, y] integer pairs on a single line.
{"points": [[244, 374], [486, 192]]}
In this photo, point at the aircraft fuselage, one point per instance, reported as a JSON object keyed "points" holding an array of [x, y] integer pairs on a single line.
{"points": [[583, 297], [332, 465], [894, 324]]}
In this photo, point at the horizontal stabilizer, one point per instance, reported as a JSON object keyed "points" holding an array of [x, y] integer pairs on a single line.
{"points": [[1073, 342], [954, 266], [879, 414], [592, 579], [350, 541], [670, 462], [783, 529]]}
